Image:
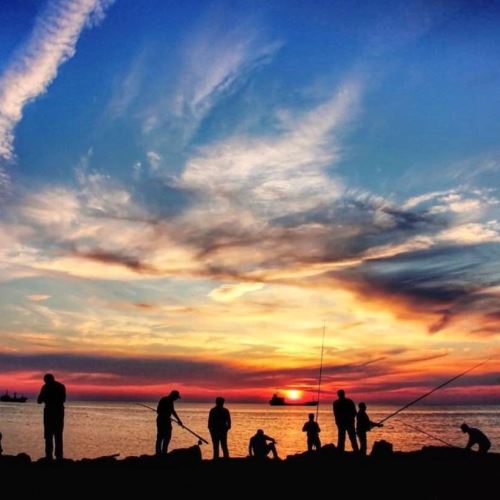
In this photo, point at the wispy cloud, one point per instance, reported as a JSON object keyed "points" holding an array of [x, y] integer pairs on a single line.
{"points": [[215, 63], [35, 65]]}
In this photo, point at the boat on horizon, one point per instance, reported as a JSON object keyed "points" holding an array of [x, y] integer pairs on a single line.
{"points": [[7, 398], [280, 401]]}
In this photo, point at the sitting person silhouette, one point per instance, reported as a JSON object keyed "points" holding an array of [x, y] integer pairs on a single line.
{"points": [[476, 437], [312, 429], [259, 447]]}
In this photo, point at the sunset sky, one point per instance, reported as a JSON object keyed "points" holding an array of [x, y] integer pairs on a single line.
{"points": [[189, 190]]}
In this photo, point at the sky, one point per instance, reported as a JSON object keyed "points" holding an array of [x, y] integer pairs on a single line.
{"points": [[191, 191]]}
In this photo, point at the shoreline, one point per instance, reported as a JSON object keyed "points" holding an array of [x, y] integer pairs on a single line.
{"points": [[431, 472]]}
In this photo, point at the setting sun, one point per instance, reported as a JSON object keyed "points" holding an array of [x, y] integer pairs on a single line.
{"points": [[294, 394]]}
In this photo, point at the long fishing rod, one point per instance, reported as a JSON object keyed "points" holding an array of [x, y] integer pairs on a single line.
{"points": [[320, 370], [178, 423], [433, 390], [415, 428]]}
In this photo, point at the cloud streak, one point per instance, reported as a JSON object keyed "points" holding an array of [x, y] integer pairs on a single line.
{"points": [[35, 65]]}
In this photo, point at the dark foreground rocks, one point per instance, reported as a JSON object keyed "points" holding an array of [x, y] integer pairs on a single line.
{"points": [[431, 473]]}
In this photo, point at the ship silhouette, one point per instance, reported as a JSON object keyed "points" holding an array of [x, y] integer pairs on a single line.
{"points": [[7, 398]]}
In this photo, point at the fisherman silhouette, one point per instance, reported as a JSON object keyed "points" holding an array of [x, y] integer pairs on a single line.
{"points": [[165, 411], [53, 394], [364, 425], [344, 411], [219, 423], [313, 430], [259, 447], [476, 437]]}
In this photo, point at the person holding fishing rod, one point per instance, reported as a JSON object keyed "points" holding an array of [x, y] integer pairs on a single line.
{"points": [[165, 412]]}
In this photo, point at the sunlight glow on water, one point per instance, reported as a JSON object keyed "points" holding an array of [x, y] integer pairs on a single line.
{"points": [[102, 428]]}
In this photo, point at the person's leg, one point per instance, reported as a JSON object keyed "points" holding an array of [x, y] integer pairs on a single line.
{"points": [[484, 448], [48, 434], [310, 443], [215, 444], [317, 443], [341, 438], [159, 439], [362, 443], [352, 438], [58, 436], [272, 448], [223, 442], [167, 436]]}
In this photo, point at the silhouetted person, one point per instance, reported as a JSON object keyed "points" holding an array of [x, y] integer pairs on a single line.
{"points": [[261, 445], [53, 394], [344, 411], [165, 412], [364, 425], [476, 437], [219, 423], [312, 429]]}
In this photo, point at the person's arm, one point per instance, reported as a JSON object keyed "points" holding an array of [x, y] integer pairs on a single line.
{"points": [[304, 427], [210, 419], [250, 448], [41, 396], [470, 443], [174, 413], [228, 420], [269, 438], [63, 394]]}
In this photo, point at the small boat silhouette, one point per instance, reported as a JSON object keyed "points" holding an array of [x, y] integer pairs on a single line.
{"points": [[7, 398], [280, 401]]}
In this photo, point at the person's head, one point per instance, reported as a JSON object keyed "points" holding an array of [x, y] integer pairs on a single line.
{"points": [[341, 394], [48, 378], [465, 428], [362, 406], [219, 401], [260, 432], [175, 395], [311, 417]]}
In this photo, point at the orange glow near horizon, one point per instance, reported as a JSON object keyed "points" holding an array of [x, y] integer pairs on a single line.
{"points": [[293, 394]]}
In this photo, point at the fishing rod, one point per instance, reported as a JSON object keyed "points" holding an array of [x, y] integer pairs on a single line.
{"points": [[440, 386], [178, 423], [415, 428], [320, 370]]}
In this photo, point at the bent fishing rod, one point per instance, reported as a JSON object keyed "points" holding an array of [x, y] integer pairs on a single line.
{"points": [[178, 423], [418, 429], [440, 386]]}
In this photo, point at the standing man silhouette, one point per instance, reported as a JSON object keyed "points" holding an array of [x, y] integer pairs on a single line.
{"points": [[219, 423], [165, 411], [53, 394], [344, 411], [311, 427]]}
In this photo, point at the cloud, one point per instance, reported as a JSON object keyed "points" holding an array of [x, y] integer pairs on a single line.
{"points": [[154, 160], [230, 292], [38, 297], [215, 61], [35, 65]]}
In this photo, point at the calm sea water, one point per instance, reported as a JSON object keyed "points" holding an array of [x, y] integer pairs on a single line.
{"points": [[100, 428]]}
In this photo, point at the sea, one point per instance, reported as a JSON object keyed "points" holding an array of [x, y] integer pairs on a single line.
{"points": [[95, 429]]}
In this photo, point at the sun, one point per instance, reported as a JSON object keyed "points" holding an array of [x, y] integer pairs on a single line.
{"points": [[293, 394]]}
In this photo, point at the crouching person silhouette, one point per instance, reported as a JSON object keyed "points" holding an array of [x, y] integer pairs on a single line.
{"points": [[261, 445]]}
